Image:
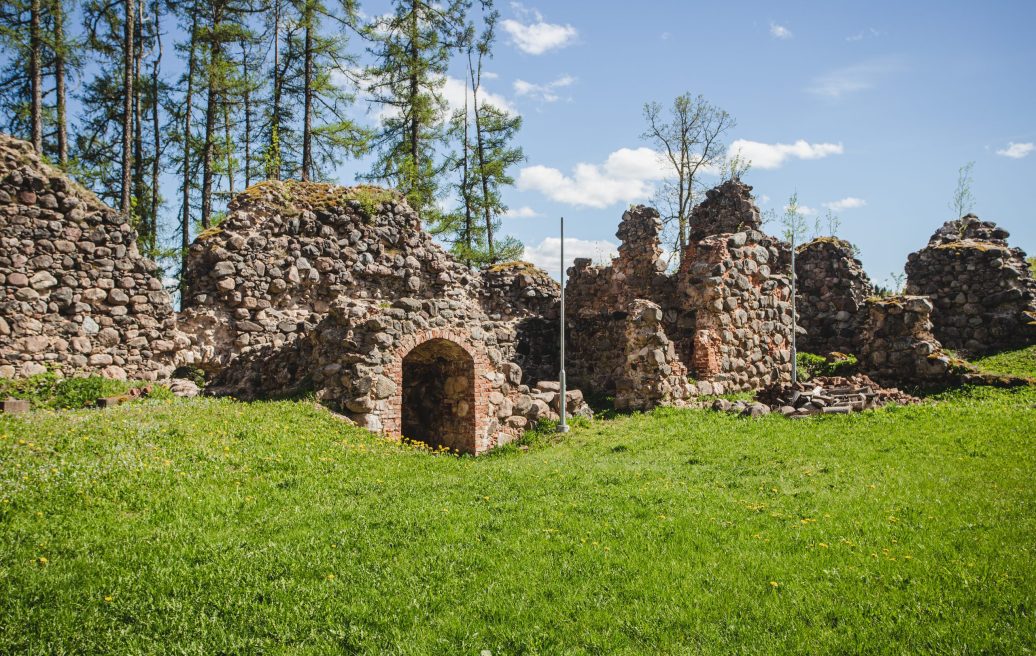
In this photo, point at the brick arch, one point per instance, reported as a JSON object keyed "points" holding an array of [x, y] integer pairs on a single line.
{"points": [[393, 417]]}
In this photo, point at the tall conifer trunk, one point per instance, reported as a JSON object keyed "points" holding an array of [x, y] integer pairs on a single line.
{"points": [[307, 121], [35, 77], [127, 106], [59, 81], [155, 85], [185, 217]]}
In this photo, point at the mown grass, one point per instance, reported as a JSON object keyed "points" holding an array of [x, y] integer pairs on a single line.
{"points": [[211, 526], [1019, 362], [48, 390]]}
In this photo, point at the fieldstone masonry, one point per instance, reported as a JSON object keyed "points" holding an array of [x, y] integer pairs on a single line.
{"points": [[982, 290], [75, 293], [725, 316], [339, 291], [315, 288], [896, 345], [831, 289]]}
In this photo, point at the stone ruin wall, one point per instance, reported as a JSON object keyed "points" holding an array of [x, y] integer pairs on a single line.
{"points": [[75, 293], [309, 287], [982, 290], [742, 310], [896, 345], [725, 315], [831, 288]]}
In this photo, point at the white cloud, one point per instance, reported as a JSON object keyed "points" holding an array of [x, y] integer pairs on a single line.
{"points": [[772, 156], [763, 199], [851, 79], [804, 210], [453, 92], [524, 212], [547, 253], [780, 32], [847, 203], [863, 34], [1016, 150], [543, 92], [626, 175], [489, 75], [538, 36]]}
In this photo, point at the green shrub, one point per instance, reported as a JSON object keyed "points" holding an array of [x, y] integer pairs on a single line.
{"points": [[194, 374], [834, 364], [48, 390]]}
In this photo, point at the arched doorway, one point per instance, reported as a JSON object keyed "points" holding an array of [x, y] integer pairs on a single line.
{"points": [[438, 405]]}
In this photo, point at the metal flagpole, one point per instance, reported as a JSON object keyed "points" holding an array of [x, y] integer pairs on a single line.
{"points": [[563, 424], [794, 318]]}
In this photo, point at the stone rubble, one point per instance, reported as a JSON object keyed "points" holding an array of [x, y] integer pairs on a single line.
{"points": [[823, 395]]}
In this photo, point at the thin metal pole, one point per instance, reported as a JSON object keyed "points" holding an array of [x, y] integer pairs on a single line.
{"points": [[563, 424], [794, 318]]}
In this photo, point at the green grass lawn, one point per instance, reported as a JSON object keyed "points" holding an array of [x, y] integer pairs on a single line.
{"points": [[210, 526]]}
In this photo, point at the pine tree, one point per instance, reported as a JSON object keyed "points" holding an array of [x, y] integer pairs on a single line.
{"points": [[224, 25], [486, 135], [15, 87], [181, 132], [40, 57], [411, 51], [495, 152], [318, 60], [97, 147]]}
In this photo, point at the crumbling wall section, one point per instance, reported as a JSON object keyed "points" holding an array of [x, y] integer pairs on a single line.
{"points": [[897, 347], [652, 373], [76, 295], [725, 314], [727, 208], [527, 299], [982, 290], [831, 288], [287, 250], [741, 301]]}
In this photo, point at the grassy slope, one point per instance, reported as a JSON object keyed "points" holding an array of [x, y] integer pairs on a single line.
{"points": [[1021, 362], [217, 526]]}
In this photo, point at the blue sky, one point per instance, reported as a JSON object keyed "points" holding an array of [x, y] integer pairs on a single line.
{"points": [[889, 98], [870, 107]]}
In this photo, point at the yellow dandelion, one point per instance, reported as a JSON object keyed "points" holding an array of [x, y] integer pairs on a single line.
{"points": [[774, 584], [330, 577], [42, 560], [822, 545], [107, 599]]}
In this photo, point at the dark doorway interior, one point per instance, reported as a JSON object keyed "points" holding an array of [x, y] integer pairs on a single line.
{"points": [[439, 396]]}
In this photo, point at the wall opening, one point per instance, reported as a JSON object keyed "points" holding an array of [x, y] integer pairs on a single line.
{"points": [[439, 396]]}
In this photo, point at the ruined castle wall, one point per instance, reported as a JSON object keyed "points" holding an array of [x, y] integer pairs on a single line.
{"points": [[76, 295], [734, 285], [309, 288], [896, 345], [727, 208], [831, 287], [528, 300], [652, 373], [287, 250], [725, 314], [983, 291]]}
